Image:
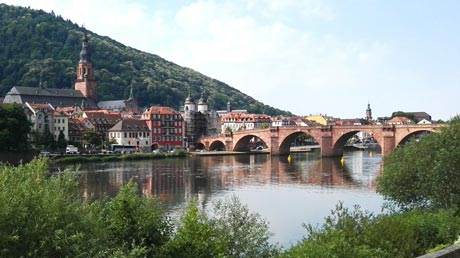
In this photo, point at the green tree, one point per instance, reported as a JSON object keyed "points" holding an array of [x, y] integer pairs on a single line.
{"points": [[354, 233], [14, 128], [404, 114], [47, 139], [43, 216], [341, 235], [135, 223], [61, 142], [92, 138], [195, 237], [246, 234], [424, 173]]}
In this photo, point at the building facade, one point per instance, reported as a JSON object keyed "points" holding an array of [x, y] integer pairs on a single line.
{"points": [[166, 127], [132, 132], [61, 124], [41, 117], [199, 120], [233, 122]]}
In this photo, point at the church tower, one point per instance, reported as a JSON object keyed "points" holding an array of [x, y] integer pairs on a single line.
{"points": [[368, 112], [86, 81], [202, 105]]}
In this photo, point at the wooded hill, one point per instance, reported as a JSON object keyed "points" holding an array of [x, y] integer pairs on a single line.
{"points": [[40, 49]]}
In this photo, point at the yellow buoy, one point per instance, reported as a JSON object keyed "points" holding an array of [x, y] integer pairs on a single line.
{"points": [[342, 161], [289, 158]]}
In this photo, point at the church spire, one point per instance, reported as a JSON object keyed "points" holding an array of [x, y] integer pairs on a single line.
{"points": [[131, 95], [85, 54]]}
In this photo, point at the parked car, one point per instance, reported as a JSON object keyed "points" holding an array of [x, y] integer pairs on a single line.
{"points": [[70, 149]]}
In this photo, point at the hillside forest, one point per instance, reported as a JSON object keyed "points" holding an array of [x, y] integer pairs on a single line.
{"points": [[40, 49]]}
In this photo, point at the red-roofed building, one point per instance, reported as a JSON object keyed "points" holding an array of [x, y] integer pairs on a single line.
{"points": [[77, 126], [166, 126], [102, 120], [239, 121], [400, 120]]}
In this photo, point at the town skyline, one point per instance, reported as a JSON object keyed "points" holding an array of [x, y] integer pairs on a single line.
{"points": [[306, 57]]}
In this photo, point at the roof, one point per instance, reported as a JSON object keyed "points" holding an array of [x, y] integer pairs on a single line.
{"points": [[161, 110], [56, 97], [77, 124], [102, 117], [40, 107], [420, 115], [46, 92], [130, 125], [400, 119], [111, 104]]}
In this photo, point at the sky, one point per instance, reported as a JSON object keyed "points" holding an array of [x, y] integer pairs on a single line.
{"points": [[305, 56]]}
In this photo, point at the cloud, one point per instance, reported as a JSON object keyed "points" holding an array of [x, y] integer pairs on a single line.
{"points": [[273, 59]]}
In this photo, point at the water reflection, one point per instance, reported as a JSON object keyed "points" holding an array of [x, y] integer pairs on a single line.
{"points": [[288, 191]]}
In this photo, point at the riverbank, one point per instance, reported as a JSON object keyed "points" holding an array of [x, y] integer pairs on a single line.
{"points": [[61, 159]]}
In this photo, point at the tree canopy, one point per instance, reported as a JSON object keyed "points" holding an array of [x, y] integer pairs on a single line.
{"points": [[40, 49], [425, 173], [14, 128]]}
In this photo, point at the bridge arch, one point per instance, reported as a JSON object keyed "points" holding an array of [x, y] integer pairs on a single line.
{"points": [[244, 143], [341, 141], [285, 145], [217, 145], [404, 138]]}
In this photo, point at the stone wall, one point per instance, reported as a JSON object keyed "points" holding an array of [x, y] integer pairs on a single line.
{"points": [[450, 252]]}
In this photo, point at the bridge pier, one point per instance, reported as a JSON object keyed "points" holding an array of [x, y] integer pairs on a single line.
{"points": [[388, 145], [274, 142], [327, 149]]}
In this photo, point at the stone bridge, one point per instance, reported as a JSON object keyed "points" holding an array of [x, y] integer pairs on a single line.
{"points": [[331, 139]]}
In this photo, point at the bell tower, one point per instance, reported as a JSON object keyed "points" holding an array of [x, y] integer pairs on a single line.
{"points": [[369, 112], [86, 81]]}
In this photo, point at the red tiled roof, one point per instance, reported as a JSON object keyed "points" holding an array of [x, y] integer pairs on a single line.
{"points": [[161, 110], [400, 119]]}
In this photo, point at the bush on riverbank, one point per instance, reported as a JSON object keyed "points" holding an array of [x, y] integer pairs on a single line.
{"points": [[45, 216], [357, 234], [419, 178]]}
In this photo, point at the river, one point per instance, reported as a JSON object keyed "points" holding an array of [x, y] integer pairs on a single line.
{"points": [[286, 191]]}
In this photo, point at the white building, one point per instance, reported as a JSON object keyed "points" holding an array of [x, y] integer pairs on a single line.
{"points": [[132, 132], [41, 116], [61, 123]]}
